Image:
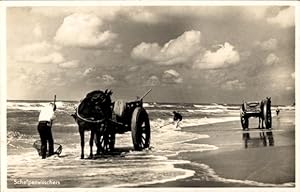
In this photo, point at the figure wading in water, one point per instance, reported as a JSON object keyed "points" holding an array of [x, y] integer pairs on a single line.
{"points": [[177, 118]]}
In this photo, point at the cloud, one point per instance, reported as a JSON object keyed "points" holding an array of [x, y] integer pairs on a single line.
{"points": [[267, 45], [211, 12], [30, 78], [171, 76], [69, 64], [42, 52], [142, 15], [107, 13], [175, 51], [83, 30], [152, 81], [223, 57], [106, 79], [59, 81], [271, 59], [253, 12], [284, 18], [233, 84], [88, 71]]}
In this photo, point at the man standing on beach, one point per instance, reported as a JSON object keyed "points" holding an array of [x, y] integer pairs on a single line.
{"points": [[277, 111], [177, 118], [46, 118]]}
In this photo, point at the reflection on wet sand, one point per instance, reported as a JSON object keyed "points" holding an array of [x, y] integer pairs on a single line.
{"points": [[263, 138]]}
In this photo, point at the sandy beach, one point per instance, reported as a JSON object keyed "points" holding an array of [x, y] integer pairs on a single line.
{"points": [[209, 150], [260, 157]]}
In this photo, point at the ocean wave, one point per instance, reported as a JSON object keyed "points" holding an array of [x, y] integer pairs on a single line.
{"points": [[148, 105], [207, 110], [286, 108], [191, 122], [14, 134], [37, 106]]}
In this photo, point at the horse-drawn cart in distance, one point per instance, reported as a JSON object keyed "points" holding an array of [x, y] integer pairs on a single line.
{"points": [[259, 109], [104, 118]]}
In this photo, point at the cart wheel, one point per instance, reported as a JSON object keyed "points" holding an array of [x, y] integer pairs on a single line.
{"points": [[107, 142], [244, 120], [140, 129], [268, 115]]}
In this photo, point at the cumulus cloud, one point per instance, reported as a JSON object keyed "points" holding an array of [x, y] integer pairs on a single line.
{"points": [[152, 81], [88, 71], [233, 85], [271, 59], [225, 56], [267, 45], [175, 51], [69, 64], [142, 15], [106, 79], [42, 52], [172, 76], [284, 18], [83, 30]]}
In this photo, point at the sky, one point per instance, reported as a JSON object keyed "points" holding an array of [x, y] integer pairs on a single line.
{"points": [[185, 54]]}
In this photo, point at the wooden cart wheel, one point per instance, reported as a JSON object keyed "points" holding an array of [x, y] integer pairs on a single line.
{"points": [[244, 120], [107, 142], [140, 129], [267, 115]]}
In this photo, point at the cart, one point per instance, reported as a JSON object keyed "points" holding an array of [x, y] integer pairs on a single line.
{"points": [[120, 117], [258, 109]]}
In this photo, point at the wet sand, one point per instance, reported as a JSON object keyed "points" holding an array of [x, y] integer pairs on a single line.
{"points": [[256, 158]]}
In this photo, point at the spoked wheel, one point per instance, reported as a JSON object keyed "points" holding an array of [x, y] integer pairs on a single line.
{"points": [[107, 142], [268, 116], [140, 129], [244, 120]]}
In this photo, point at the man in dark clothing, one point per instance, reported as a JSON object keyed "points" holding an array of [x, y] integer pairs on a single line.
{"points": [[46, 118], [277, 111], [177, 118]]}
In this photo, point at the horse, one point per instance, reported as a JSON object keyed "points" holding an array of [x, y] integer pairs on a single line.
{"points": [[265, 107], [91, 115]]}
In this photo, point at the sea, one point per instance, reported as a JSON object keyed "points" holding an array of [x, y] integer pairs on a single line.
{"points": [[127, 169]]}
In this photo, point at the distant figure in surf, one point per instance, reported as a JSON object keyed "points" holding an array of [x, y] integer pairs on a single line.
{"points": [[177, 118], [46, 117], [277, 111]]}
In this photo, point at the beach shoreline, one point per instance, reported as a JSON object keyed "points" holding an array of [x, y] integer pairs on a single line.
{"points": [[185, 157], [235, 165]]}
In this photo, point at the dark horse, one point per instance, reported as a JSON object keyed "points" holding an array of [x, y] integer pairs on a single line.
{"points": [[265, 117], [92, 115]]}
